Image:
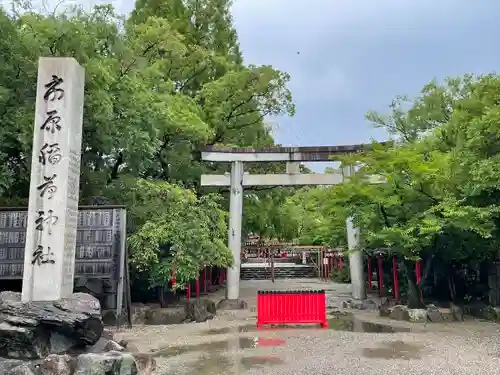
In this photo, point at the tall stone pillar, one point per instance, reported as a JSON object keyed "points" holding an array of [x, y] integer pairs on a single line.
{"points": [[49, 259], [235, 219]]}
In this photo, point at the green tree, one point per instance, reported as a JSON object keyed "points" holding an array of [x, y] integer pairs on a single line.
{"points": [[159, 87], [434, 177]]}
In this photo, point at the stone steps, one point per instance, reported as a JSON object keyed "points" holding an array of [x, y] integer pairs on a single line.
{"points": [[261, 273], [276, 260]]}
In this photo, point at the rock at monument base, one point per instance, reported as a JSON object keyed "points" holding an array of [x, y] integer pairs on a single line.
{"points": [[107, 334], [110, 363], [35, 329], [232, 304], [113, 346], [55, 364], [8, 364], [21, 370], [146, 364]]}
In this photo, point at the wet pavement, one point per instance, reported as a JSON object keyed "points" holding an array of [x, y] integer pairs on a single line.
{"points": [[356, 344]]}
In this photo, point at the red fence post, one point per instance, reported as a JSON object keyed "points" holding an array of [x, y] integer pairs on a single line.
{"points": [[197, 286], [380, 275], [341, 264], [188, 291], [395, 277], [418, 272], [174, 280], [369, 271]]}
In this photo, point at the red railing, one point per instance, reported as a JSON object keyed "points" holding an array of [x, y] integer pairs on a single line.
{"points": [[291, 307]]}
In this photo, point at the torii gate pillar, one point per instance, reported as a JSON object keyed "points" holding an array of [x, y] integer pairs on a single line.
{"points": [[235, 219], [358, 288]]}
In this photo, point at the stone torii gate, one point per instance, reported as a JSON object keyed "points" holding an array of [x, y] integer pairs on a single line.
{"points": [[237, 179]]}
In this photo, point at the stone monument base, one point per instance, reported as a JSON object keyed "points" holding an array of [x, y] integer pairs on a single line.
{"points": [[63, 337]]}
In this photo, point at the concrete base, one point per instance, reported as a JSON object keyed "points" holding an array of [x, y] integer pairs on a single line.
{"points": [[232, 304]]}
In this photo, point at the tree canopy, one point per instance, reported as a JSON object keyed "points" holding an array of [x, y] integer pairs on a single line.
{"points": [[160, 85]]}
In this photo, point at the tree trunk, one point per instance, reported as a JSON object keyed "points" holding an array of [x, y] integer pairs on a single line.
{"points": [[414, 295], [162, 297], [272, 269]]}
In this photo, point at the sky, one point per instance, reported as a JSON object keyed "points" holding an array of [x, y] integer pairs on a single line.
{"points": [[346, 57]]}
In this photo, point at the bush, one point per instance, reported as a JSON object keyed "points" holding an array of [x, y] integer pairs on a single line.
{"points": [[341, 275]]}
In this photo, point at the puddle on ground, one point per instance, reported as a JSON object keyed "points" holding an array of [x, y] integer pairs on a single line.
{"points": [[351, 324], [209, 347], [219, 364], [226, 330], [342, 323], [393, 350]]}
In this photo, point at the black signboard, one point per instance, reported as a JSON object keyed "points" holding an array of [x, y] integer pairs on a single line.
{"points": [[98, 241]]}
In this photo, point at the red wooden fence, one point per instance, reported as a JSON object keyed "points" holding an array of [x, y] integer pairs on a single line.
{"points": [[291, 307]]}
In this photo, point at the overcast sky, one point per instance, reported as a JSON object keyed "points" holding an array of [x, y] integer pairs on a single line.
{"points": [[346, 57], [356, 55]]}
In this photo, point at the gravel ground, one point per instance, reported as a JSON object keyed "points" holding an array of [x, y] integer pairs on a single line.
{"points": [[230, 344]]}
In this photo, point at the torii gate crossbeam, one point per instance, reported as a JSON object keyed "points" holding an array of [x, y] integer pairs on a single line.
{"points": [[237, 179]]}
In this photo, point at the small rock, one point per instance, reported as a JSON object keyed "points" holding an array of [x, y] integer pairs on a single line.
{"points": [[384, 311], [109, 363], [446, 314], [55, 364], [369, 304], [210, 306], [169, 315], [99, 346], [146, 364], [356, 304], [196, 310], [489, 313], [434, 314], [230, 304], [7, 364], [399, 312], [113, 346], [139, 313], [417, 315], [387, 302], [21, 370], [123, 343], [457, 311], [107, 334], [132, 348]]}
